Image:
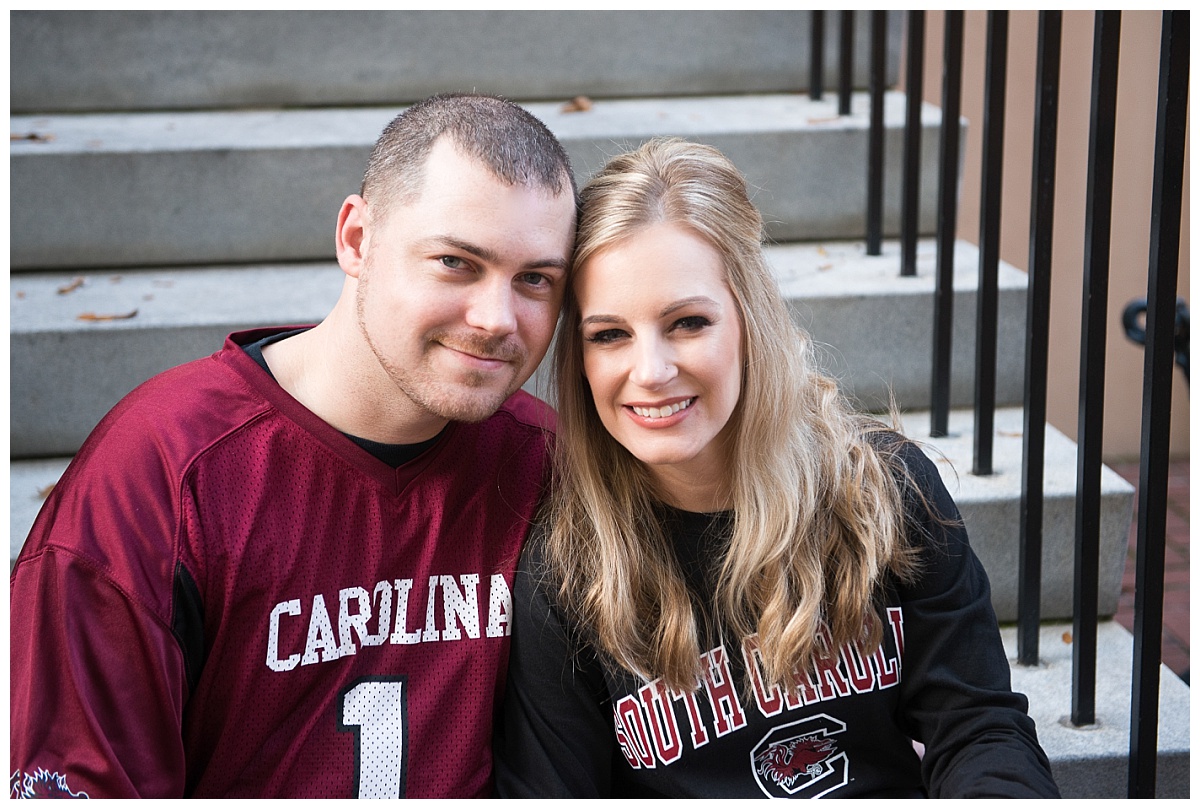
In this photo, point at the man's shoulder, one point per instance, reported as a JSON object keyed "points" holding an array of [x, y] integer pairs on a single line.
{"points": [[160, 427], [528, 411]]}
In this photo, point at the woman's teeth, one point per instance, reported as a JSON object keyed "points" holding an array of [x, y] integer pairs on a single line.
{"points": [[663, 412]]}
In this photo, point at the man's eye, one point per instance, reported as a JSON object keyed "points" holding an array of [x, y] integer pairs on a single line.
{"points": [[537, 279], [453, 262]]}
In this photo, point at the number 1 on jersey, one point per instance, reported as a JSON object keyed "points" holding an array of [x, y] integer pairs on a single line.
{"points": [[373, 709]]}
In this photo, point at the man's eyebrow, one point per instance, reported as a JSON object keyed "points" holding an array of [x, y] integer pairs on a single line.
{"points": [[491, 256]]}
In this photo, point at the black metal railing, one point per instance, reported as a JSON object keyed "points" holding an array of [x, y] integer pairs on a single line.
{"points": [[1160, 335]]}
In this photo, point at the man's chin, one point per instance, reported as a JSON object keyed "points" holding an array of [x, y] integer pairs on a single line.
{"points": [[471, 405]]}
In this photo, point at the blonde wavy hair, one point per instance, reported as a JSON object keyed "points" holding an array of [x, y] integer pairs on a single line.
{"points": [[818, 515]]}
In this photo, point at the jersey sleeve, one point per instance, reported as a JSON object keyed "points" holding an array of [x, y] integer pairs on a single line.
{"points": [[95, 686], [554, 738], [98, 678], [957, 696]]}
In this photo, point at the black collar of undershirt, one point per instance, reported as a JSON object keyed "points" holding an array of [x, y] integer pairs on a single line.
{"points": [[394, 455]]}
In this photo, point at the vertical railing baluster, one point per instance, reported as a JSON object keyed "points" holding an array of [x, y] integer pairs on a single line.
{"points": [[875, 135], [1097, 229], [989, 240], [947, 224], [914, 78], [816, 86], [846, 71], [1166, 205], [1037, 335]]}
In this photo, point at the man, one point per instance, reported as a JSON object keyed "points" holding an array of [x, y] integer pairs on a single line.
{"points": [[284, 570]]}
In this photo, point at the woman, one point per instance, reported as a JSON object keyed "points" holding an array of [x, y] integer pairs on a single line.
{"points": [[739, 586]]}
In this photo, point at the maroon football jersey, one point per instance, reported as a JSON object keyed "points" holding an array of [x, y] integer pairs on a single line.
{"points": [[224, 596]]}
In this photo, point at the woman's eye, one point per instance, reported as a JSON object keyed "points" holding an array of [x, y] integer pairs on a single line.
{"points": [[693, 323], [606, 336]]}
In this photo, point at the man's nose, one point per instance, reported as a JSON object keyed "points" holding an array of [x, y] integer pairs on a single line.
{"points": [[492, 308]]}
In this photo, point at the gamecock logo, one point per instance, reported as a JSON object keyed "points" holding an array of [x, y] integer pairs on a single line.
{"points": [[801, 759], [40, 784]]}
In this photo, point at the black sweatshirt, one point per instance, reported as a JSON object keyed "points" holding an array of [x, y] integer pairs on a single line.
{"points": [[576, 726]]}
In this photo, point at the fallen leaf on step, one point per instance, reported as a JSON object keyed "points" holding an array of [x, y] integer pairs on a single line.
{"points": [[577, 104], [92, 317], [34, 137], [44, 492], [823, 267], [1010, 433], [1066, 637], [20, 295], [822, 120], [71, 287]]}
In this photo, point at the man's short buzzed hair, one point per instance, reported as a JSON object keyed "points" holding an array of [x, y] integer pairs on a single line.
{"points": [[516, 146]]}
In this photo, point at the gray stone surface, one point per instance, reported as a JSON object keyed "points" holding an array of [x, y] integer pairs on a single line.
{"points": [[87, 61], [874, 328], [66, 373], [1093, 761], [149, 189], [991, 508]]}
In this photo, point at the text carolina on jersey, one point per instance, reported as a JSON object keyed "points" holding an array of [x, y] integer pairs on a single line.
{"points": [[369, 618]]}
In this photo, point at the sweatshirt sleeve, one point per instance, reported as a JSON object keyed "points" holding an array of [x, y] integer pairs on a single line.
{"points": [[957, 695], [554, 738]]}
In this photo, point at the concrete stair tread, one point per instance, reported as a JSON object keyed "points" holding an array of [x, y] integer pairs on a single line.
{"points": [[1093, 761], [327, 126], [260, 294], [106, 189]]}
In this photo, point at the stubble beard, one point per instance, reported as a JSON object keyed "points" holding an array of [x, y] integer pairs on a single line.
{"points": [[468, 400]]}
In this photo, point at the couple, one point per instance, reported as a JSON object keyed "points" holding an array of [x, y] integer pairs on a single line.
{"points": [[289, 569]]}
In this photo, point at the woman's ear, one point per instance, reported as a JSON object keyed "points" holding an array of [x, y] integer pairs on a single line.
{"points": [[351, 236]]}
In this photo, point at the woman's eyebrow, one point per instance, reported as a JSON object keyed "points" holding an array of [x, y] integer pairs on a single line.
{"points": [[680, 304]]}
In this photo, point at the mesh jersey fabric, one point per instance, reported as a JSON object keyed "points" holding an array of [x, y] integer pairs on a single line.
{"points": [[224, 596]]}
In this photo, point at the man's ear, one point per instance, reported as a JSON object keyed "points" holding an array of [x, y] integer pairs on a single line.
{"points": [[351, 236]]}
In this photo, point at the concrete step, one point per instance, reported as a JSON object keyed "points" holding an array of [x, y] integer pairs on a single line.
{"points": [[195, 188], [990, 507], [991, 510], [1093, 761], [204, 59], [67, 372]]}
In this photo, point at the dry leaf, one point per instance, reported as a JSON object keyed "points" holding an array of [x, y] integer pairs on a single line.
{"points": [[20, 295], [822, 120], [71, 287], [1066, 637], [1010, 433], [823, 267], [34, 137], [578, 104], [115, 279], [95, 318], [44, 492]]}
